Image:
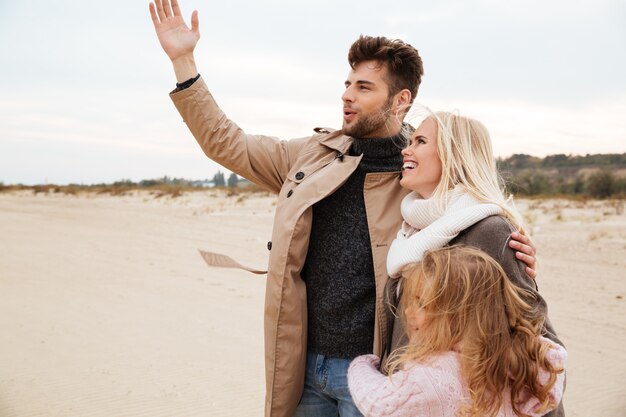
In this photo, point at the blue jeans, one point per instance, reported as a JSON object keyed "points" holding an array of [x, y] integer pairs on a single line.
{"points": [[326, 391]]}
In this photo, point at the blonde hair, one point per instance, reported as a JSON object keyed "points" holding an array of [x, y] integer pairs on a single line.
{"points": [[466, 154], [470, 303]]}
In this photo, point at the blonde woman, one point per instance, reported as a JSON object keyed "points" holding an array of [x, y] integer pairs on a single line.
{"points": [[456, 198]]}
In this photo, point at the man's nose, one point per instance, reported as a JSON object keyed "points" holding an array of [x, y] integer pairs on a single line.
{"points": [[347, 96]]}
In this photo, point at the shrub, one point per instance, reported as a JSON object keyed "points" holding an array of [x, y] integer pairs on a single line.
{"points": [[601, 184]]}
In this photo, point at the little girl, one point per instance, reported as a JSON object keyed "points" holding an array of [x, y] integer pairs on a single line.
{"points": [[474, 349]]}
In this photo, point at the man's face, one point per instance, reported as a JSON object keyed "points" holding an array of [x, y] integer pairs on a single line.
{"points": [[367, 107]]}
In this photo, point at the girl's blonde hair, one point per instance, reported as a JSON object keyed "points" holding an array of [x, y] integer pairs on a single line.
{"points": [[465, 151], [472, 306]]}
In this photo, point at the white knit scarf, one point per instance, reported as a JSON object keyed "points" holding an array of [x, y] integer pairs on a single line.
{"points": [[426, 228]]}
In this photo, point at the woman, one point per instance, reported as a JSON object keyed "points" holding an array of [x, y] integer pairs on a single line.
{"points": [[456, 198]]}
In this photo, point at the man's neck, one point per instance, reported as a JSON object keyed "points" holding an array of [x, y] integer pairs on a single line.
{"points": [[383, 133]]}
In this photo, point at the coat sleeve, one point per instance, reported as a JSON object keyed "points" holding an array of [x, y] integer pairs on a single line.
{"points": [[492, 235], [557, 356], [378, 395], [264, 160]]}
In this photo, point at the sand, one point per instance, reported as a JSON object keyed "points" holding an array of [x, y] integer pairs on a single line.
{"points": [[108, 309]]}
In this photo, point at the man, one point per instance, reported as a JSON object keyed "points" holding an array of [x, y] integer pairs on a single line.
{"points": [[337, 212]]}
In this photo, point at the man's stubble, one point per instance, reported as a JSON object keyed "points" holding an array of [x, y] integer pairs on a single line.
{"points": [[363, 128]]}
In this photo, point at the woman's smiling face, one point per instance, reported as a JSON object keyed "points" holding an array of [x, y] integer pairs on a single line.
{"points": [[421, 168]]}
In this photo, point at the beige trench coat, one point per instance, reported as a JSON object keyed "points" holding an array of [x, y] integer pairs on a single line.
{"points": [[302, 172]]}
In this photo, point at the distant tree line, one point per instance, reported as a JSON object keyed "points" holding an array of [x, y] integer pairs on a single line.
{"points": [[523, 161], [597, 176], [218, 180], [232, 182]]}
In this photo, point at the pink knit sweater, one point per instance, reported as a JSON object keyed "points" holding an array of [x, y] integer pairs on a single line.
{"points": [[434, 389]]}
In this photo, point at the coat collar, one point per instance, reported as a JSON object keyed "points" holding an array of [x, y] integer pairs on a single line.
{"points": [[334, 139]]}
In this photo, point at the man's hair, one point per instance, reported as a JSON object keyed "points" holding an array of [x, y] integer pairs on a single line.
{"points": [[404, 64]]}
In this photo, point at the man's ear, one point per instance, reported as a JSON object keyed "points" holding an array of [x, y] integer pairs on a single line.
{"points": [[402, 101]]}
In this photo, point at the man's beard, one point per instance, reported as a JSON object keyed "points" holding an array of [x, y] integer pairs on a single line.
{"points": [[370, 123]]}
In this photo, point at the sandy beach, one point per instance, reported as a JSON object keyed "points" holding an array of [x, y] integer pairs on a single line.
{"points": [[108, 309]]}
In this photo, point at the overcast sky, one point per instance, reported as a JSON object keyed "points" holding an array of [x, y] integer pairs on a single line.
{"points": [[84, 85]]}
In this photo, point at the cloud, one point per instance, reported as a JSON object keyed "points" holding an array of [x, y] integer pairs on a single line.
{"points": [[538, 129]]}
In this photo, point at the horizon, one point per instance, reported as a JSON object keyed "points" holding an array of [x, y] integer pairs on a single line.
{"points": [[227, 172]]}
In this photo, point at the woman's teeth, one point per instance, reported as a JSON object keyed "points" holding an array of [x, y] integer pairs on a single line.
{"points": [[409, 165]]}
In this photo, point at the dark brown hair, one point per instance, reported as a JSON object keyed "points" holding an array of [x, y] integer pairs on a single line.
{"points": [[404, 63]]}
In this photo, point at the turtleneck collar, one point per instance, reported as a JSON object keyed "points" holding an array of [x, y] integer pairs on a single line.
{"points": [[374, 148]]}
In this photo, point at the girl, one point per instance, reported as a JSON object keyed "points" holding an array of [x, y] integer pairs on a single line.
{"points": [[474, 346]]}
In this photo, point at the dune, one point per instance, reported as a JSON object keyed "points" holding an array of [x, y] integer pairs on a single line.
{"points": [[108, 309]]}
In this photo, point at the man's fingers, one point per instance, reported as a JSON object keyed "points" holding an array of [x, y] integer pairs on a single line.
{"points": [[528, 260], [527, 249], [155, 19], [167, 9], [520, 237], [176, 8], [159, 7], [195, 23]]}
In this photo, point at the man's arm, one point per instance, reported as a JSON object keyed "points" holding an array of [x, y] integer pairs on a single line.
{"points": [[176, 38], [262, 159]]}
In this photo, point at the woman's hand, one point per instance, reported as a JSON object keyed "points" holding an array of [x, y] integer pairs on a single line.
{"points": [[525, 252]]}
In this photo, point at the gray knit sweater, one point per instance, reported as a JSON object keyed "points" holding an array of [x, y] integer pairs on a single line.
{"points": [[339, 273]]}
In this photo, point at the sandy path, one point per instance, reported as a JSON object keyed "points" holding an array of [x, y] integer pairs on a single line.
{"points": [[108, 310]]}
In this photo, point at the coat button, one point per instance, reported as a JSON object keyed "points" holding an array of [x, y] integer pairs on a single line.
{"points": [[299, 175], [289, 193], [269, 245]]}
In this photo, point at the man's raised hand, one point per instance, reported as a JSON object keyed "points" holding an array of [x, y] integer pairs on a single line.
{"points": [[177, 40]]}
